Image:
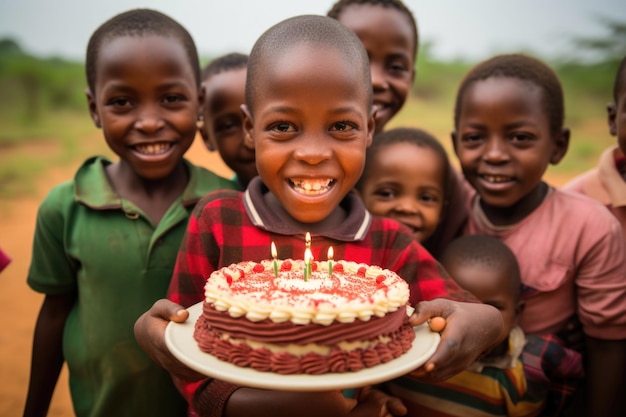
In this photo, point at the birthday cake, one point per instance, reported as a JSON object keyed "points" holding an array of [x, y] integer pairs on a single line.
{"points": [[292, 317]]}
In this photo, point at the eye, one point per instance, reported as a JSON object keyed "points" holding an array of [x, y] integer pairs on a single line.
{"points": [[428, 198], [472, 137], [172, 98], [521, 137], [121, 102], [342, 127], [385, 193], [283, 127], [398, 67], [224, 126]]}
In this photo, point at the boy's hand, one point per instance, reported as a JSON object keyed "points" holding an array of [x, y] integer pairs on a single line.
{"points": [[150, 335], [375, 403], [470, 330]]}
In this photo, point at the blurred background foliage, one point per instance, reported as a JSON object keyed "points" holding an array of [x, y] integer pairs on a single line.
{"points": [[45, 105]]}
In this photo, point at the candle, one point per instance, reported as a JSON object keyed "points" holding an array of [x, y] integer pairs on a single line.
{"points": [[274, 255], [308, 257], [307, 239], [330, 261]]}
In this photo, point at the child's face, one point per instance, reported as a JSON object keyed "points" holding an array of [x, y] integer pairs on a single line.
{"points": [[224, 93], [491, 286], [503, 141], [146, 102], [617, 116], [405, 182], [311, 125], [390, 43]]}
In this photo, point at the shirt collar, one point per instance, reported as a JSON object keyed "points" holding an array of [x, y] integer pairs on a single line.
{"points": [[92, 186], [354, 228]]}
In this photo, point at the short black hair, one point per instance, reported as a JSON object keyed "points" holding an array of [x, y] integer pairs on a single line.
{"points": [[415, 136], [315, 30], [138, 22], [619, 79], [483, 250], [341, 5], [525, 68], [228, 62]]}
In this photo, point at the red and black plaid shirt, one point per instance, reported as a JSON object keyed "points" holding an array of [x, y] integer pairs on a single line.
{"points": [[227, 227]]}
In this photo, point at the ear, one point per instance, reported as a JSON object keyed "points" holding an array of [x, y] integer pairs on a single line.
{"points": [[453, 137], [201, 123], [204, 133], [248, 127], [561, 141], [611, 111], [201, 103], [371, 126], [93, 108]]}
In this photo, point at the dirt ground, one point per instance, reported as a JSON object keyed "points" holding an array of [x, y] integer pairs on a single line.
{"points": [[20, 305]]}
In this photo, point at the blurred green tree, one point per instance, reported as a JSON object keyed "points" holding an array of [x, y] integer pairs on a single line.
{"points": [[607, 48]]}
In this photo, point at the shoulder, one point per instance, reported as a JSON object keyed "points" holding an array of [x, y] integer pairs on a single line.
{"points": [[581, 215], [207, 181], [58, 199], [578, 183], [571, 203], [218, 199], [390, 229]]}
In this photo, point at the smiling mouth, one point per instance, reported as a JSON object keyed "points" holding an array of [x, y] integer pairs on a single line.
{"points": [[310, 186], [379, 107], [496, 179], [153, 148]]}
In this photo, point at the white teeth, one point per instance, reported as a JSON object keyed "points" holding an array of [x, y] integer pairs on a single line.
{"points": [[312, 187], [153, 148], [496, 178]]}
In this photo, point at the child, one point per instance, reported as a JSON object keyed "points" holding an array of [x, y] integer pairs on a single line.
{"points": [[405, 177], [389, 33], [495, 384], [105, 243], [607, 182], [224, 93], [508, 129], [309, 117]]}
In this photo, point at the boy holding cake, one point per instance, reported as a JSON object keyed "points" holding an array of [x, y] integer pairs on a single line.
{"points": [[310, 118]]}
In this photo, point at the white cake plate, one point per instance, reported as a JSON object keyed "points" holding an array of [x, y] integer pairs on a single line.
{"points": [[179, 340]]}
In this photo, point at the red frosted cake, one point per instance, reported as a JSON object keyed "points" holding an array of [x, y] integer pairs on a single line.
{"points": [[351, 319]]}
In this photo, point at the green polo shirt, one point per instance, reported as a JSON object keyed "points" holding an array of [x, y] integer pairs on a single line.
{"points": [[91, 241]]}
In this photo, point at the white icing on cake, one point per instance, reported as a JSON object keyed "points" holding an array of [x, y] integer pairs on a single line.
{"points": [[252, 290]]}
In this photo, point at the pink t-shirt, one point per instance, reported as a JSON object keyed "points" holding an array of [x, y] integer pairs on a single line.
{"points": [[604, 184], [572, 257]]}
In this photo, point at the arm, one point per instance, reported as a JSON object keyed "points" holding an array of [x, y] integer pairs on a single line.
{"points": [[605, 390], [47, 357], [470, 330], [260, 403]]}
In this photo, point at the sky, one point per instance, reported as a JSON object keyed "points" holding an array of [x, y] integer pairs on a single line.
{"points": [[457, 28]]}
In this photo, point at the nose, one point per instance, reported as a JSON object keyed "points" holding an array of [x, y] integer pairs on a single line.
{"points": [[313, 150], [407, 205], [149, 119], [496, 151], [379, 81]]}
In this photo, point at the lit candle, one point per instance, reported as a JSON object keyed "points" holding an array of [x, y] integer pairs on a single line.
{"points": [[330, 261], [274, 255], [307, 239], [308, 257]]}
